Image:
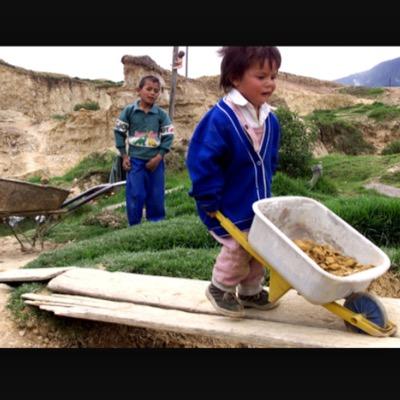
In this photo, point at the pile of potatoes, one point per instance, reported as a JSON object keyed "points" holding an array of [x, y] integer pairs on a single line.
{"points": [[330, 259]]}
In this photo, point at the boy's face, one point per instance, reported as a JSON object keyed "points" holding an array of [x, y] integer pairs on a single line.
{"points": [[149, 92], [257, 83]]}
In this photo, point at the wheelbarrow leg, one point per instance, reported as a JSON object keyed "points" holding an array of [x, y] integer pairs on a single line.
{"points": [[17, 236], [44, 227]]}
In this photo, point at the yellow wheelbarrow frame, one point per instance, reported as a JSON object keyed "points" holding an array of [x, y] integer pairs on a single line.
{"points": [[278, 286]]}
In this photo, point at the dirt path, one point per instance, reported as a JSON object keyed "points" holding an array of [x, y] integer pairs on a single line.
{"points": [[10, 335], [387, 190], [11, 257]]}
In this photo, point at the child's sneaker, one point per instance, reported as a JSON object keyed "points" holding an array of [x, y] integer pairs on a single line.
{"points": [[259, 301], [224, 302]]}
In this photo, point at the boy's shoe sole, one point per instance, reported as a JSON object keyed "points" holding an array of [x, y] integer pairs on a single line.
{"points": [[223, 311], [264, 307]]}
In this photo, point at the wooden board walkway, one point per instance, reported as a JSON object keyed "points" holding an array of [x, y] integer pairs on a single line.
{"points": [[31, 275], [179, 305]]}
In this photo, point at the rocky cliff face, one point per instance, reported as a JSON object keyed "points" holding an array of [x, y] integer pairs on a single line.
{"points": [[41, 95], [41, 134]]}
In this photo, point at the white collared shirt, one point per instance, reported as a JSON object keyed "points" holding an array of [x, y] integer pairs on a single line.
{"points": [[248, 110], [247, 115]]}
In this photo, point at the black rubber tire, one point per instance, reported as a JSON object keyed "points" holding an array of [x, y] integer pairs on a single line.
{"points": [[369, 306]]}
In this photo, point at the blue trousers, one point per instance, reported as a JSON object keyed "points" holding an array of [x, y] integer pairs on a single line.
{"points": [[144, 188]]}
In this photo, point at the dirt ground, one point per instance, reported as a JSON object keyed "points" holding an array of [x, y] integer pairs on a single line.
{"points": [[86, 334], [11, 257]]}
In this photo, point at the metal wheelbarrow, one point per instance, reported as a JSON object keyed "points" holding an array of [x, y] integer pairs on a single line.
{"points": [[280, 220], [20, 199]]}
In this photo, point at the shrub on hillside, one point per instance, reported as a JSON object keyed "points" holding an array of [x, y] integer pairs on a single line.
{"points": [[340, 135], [88, 105], [297, 140], [362, 91], [60, 117], [96, 162], [392, 148]]}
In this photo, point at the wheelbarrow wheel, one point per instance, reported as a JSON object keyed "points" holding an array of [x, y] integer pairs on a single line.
{"points": [[369, 306]]}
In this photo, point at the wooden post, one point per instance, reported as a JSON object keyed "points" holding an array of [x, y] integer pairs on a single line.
{"points": [[173, 83], [317, 173], [187, 62]]}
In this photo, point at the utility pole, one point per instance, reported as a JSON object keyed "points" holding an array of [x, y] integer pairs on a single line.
{"points": [[173, 83], [187, 62]]}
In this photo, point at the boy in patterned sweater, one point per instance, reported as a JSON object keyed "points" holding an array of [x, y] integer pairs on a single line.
{"points": [[149, 132]]}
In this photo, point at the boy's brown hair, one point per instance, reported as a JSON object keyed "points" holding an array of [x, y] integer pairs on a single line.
{"points": [[151, 78], [236, 60]]}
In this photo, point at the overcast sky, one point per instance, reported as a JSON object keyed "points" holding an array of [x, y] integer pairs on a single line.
{"points": [[99, 62]]}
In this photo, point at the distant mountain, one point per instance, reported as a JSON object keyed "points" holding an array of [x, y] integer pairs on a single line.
{"points": [[386, 74]]}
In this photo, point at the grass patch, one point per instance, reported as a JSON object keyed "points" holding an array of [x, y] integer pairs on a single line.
{"points": [[339, 134], [16, 305], [95, 163], [186, 231], [283, 185], [377, 111], [362, 91], [394, 255], [382, 112], [350, 173], [75, 232], [175, 179], [60, 117], [339, 131], [391, 178], [34, 179], [102, 83], [178, 262], [179, 203], [392, 148], [105, 83], [376, 217], [87, 105]]}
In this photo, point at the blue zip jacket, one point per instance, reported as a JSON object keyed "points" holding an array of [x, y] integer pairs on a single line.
{"points": [[227, 174]]}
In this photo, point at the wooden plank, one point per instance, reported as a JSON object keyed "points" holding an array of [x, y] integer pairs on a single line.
{"points": [[71, 300], [252, 332], [32, 274], [188, 295]]}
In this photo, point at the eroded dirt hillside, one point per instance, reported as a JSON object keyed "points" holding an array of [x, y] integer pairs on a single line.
{"points": [[41, 134]]}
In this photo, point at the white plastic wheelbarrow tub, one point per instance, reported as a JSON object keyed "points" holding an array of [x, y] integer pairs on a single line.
{"points": [[280, 220]]}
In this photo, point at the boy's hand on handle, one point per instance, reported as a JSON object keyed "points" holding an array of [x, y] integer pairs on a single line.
{"points": [[126, 162], [152, 164], [212, 214]]}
